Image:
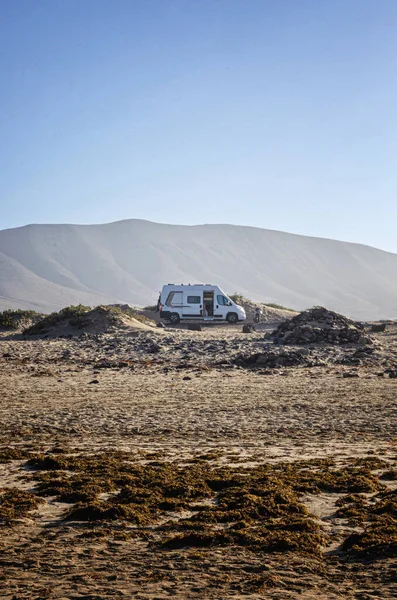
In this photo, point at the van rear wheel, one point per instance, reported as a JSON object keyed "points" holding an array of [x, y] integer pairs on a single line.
{"points": [[231, 318], [174, 318]]}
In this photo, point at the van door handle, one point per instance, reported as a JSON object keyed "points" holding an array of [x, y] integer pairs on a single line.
{"points": [[217, 306], [201, 306]]}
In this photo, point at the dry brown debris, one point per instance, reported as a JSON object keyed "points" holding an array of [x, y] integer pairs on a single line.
{"points": [[15, 504]]}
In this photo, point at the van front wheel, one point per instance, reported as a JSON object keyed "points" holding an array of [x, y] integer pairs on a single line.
{"points": [[231, 318], [174, 318]]}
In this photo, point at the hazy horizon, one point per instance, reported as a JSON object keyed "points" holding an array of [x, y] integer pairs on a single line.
{"points": [[72, 224]]}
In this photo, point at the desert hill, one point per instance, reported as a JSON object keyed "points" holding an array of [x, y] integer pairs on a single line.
{"points": [[46, 267]]}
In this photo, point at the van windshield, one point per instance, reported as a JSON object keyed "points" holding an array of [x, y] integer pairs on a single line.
{"points": [[223, 301]]}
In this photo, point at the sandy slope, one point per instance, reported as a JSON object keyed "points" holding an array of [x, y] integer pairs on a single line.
{"points": [[128, 261]]}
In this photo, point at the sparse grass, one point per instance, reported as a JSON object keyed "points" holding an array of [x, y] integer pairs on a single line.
{"points": [[278, 306], [237, 297], [130, 312], [240, 299]]}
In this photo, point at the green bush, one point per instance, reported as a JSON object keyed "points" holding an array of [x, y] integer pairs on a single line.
{"points": [[73, 311], [12, 319], [237, 298], [69, 312]]}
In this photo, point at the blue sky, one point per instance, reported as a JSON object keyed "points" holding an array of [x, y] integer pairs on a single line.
{"points": [[274, 113]]}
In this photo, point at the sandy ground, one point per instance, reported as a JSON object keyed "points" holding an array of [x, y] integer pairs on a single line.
{"points": [[115, 392]]}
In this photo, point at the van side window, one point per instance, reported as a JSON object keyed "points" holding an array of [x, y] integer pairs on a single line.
{"points": [[193, 300], [169, 299], [223, 301], [174, 299]]}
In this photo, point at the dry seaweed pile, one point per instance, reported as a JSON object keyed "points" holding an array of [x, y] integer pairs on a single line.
{"points": [[320, 325], [378, 516], [198, 504], [117, 509], [15, 504]]}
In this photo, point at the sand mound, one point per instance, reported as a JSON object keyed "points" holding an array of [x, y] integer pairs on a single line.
{"points": [[319, 325], [75, 320], [271, 313]]}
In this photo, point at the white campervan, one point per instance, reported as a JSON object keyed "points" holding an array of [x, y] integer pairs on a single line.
{"points": [[197, 301]]}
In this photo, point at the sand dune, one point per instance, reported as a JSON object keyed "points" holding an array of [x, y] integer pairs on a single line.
{"points": [[50, 266]]}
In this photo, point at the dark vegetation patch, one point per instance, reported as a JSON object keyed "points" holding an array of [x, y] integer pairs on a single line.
{"points": [[95, 510], [389, 475], [371, 462], [15, 504], [259, 508], [140, 492], [379, 516], [15, 319], [214, 454], [272, 521], [326, 478], [7, 454], [352, 507], [262, 582]]}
